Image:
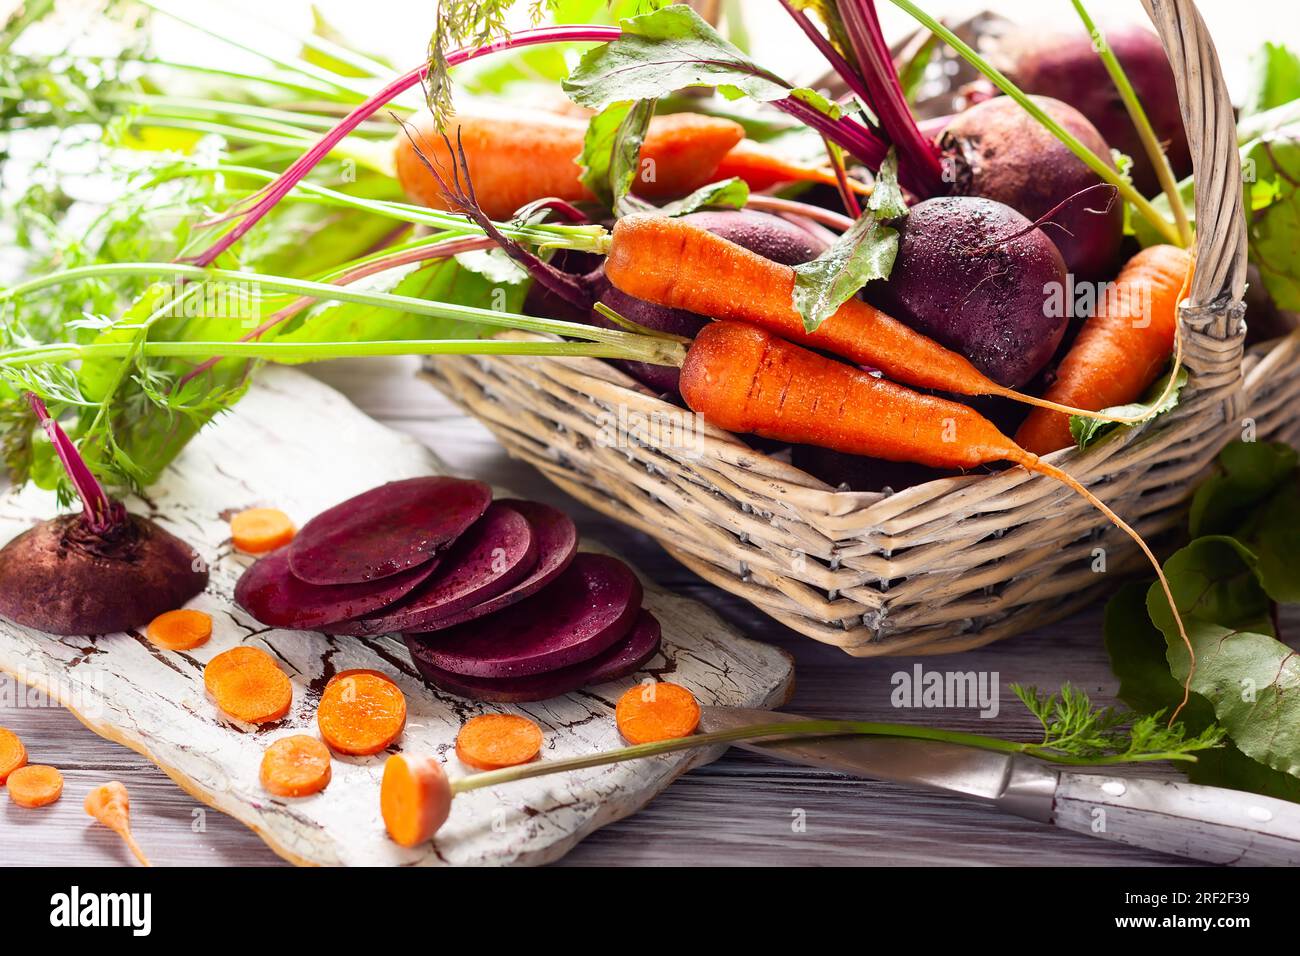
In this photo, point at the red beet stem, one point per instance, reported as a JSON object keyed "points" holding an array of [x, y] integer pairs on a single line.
{"points": [[99, 512], [918, 156]]}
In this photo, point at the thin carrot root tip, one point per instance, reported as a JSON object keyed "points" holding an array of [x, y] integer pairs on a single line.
{"points": [[110, 805], [493, 741], [247, 685], [414, 799], [180, 630], [656, 711], [1035, 464], [35, 785], [259, 530], [12, 754], [297, 766], [361, 713]]}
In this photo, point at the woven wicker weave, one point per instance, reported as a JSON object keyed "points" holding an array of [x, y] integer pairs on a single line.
{"points": [[951, 564]]}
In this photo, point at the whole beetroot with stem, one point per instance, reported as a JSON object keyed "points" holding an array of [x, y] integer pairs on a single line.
{"points": [[97, 572]]}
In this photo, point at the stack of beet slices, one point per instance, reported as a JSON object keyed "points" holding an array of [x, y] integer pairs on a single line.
{"points": [[491, 597]]}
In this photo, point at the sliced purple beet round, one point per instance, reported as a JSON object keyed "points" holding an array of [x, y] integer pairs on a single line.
{"points": [[625, 657], [586, 610], [270, 592], [491, 557], [557, 543], [386, 530]]}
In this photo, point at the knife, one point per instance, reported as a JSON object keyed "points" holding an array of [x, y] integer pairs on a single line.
{"points": [[1210, 824]]}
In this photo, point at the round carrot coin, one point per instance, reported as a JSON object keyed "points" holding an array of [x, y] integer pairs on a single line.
{"points": [[295, 766], [180, 630], [35, 785], [493, 741], [361, 713], [662, 711], [259, 530], [248, 686], [12, 753], [414, 798]]}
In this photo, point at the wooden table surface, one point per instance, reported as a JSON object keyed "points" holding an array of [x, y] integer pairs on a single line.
{"points": [[743, 809]]}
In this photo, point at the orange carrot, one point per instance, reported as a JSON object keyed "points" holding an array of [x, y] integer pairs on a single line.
{"points": [[745, 379], [516, 160], [414, 798], [248, 686], [1120, 349], [493, 741], [259, 530], [12, 753], [361, 713], [110, 805], [660, 711], [35, 785], [763, 167], [180, 630], [296, 766], [674, 263]]}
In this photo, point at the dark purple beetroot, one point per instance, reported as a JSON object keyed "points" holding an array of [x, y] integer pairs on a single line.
{"points": [[625, 657], [768, 235], [386, 530], [63, 578], [1002, 153], [557, 543], [586, 610], [957, 280], [488, 559], [1066, 67], [270, 592]]}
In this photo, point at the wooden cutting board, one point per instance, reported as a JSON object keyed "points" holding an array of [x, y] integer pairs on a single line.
{"points": [[295, 444]]}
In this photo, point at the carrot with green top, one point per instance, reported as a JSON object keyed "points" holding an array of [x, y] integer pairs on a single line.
{"points": [[518, 160], [675, 264], [747, 380], [1120, 350]]}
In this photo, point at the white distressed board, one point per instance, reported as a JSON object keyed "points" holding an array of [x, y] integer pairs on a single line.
{"points": [[295, 444]]}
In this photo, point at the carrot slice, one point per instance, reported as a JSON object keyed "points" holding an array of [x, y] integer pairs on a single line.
{"points": [[35, 785], [180, 630], [414, 798], [259, 530], [361, 713], [110, 805], [248, 686], [296, 766], [662, 711], [493, 741], [12, 753]]}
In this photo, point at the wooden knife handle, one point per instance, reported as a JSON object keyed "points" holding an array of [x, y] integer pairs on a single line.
{"points": [[1202, 823]]}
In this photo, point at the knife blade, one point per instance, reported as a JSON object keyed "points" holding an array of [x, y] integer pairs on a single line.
{"points": [[1210, 824]]}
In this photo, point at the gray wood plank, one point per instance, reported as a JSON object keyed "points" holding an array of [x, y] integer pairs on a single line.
{"points": [[738, 811]]}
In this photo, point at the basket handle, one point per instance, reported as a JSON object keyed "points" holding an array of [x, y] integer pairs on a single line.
{"points": [[1211, 125]]}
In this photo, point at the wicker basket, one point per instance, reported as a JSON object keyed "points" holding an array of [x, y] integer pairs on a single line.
{"points": [[954, 563]]}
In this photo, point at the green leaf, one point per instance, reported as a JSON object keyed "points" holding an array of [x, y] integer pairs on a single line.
{"points": [[1137, 651], [1271, 166], [598, 149], [1088, 431], [668, 50], [625, 162], [1274, 79], [727, 193], [864, 253], [1137, 657], [1251, 679], [335, 64], [1249, 473], [886, 199]]}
